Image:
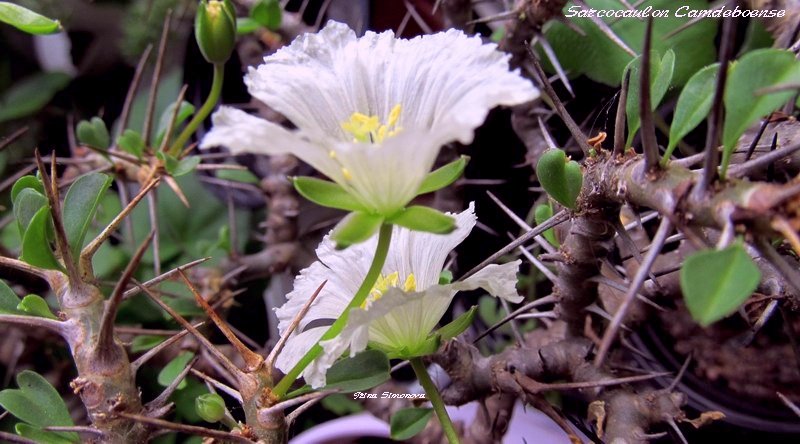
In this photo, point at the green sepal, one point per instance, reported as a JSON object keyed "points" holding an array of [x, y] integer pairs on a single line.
{"points": [[424, 348], [443, 176], [327, 194], [215, 30], [419, 218], [356, 227], [445, 277], [561, 178], [93, 133], [457, 325]]}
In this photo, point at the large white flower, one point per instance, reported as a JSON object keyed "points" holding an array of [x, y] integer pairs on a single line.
{"points": [[404, 306], [372, 112]]}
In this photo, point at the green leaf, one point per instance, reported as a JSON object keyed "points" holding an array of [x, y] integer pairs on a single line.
{"points": [[28, 202], [40, 436], [341, 405], [35, 246], [174, 368], [541, 214], [457, 325], [131, 142], [361, 372], [31, 94], [243, 176], [93, 133], [443, 176], [560, 178], [26, 20], [8, 299], [246, 25], [80, 206], [716, 282], [755, 70], [406, 423], [268, 13], [35, 306], [145, 342], [693, 106], [26, 182], [661, 70], [327, 194], [184, 112], [37, 403], [596, 56], [419, 218], [356, 227]]}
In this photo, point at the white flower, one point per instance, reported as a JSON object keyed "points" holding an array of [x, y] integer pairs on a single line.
{"points": [[404, 306], [372, 112]]}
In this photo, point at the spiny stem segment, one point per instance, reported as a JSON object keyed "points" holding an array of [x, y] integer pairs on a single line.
{"points": [[649, 144], [381, 251], [435, 399]]}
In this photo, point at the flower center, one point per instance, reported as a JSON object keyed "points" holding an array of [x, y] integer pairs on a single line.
{"points": [[384, 283], [368, 129]]}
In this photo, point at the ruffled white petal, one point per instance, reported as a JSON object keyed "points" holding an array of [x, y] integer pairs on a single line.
{"points": [[498, 280], [424, 254], [242, 132], [446, 82], [344, 271]]}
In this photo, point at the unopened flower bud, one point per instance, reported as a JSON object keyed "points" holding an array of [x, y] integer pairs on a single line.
{"points": [[215, 29], [210, 407]]}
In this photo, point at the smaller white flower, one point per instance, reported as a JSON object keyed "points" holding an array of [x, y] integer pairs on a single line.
{"points": [[404, 306], [372, 112]]}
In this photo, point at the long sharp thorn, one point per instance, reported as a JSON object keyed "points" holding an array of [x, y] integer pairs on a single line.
{"points": [[641, 274], [173, 118], [573, 127], [141, 360], [211, 348], [648, 130], [605, 29], [51, 191], [551, 55], [680, 374], [134, 86], [792, 406], [88, 252], [185, 428], [715, 119], [752, 148], [527, 307], [218, 385], [522, 224], [14, 136], [163, 397], [106, 335], [619, 121], [557, 219], [156, 79], [273, 355], [252, 360], [163, 277]]}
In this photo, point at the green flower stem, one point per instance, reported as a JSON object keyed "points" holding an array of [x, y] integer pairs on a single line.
{"points": [[435, 398], [384, 239], [205, 110]]}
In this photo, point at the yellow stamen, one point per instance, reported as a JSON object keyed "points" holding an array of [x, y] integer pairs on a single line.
{"points": [[368, 129], [347, 174], [384, 283], [332, 154]]}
